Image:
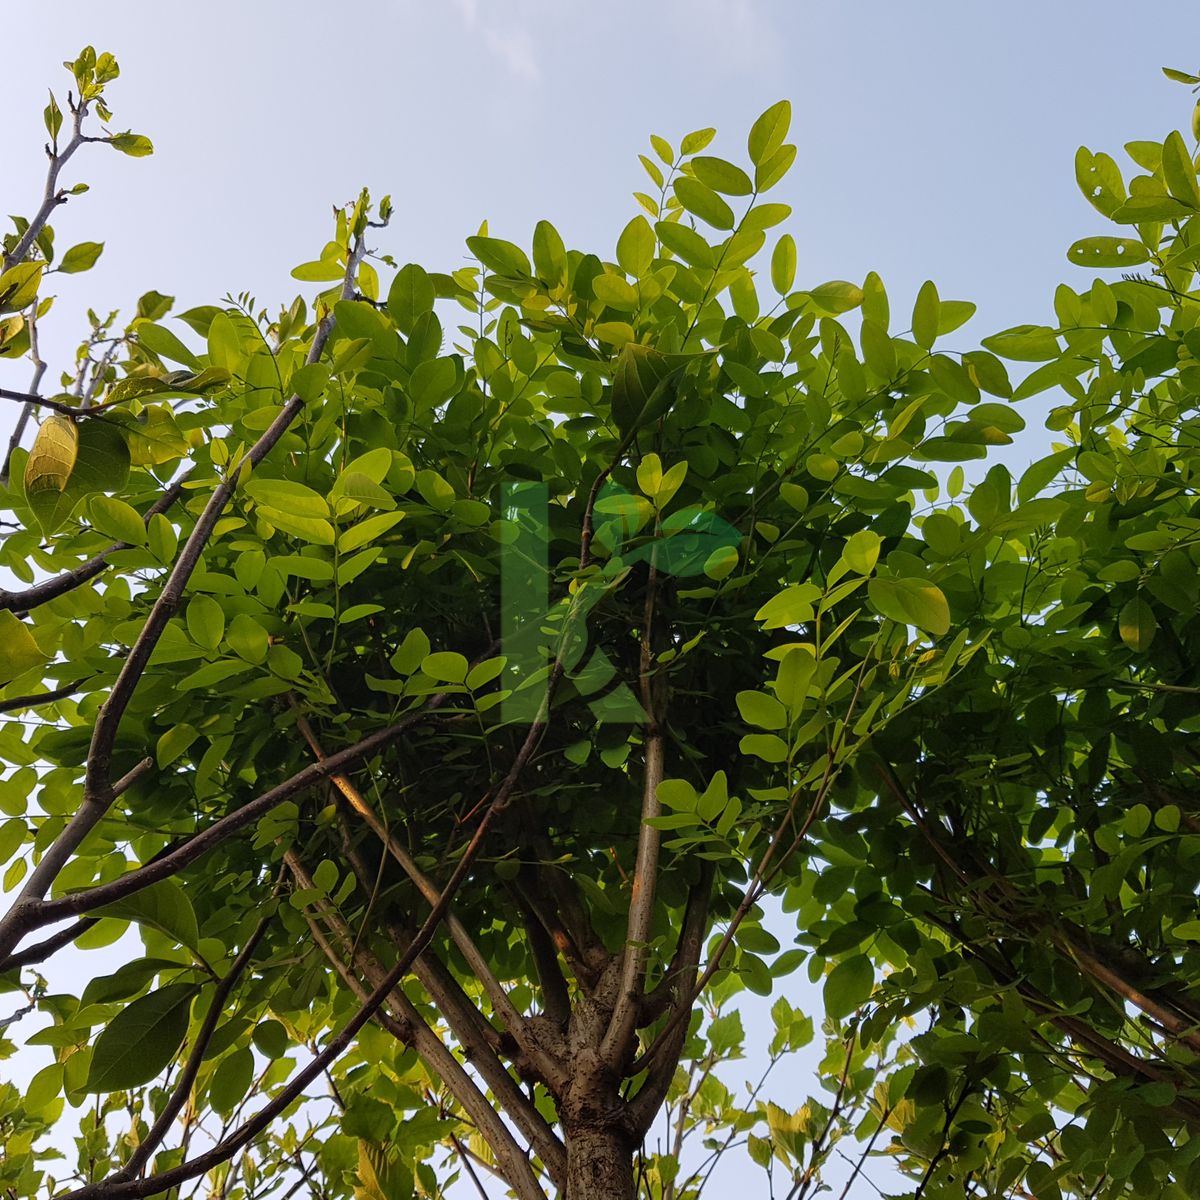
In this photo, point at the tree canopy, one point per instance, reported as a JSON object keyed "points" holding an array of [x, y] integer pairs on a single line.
{"points": [[447, 673]]}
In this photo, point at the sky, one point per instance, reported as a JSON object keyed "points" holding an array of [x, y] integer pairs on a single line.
{"points": [[936, 139]]}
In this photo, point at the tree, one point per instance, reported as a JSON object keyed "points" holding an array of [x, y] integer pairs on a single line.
{"points": [[441, 707]]}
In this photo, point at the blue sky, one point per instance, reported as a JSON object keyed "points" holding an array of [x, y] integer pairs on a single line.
{"points": [[936, 139]]}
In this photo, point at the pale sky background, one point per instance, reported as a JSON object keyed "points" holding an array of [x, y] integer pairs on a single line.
{"points": [[936, 138]]}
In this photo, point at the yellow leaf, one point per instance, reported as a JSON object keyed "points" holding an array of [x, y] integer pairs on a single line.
{"points": [[52, 458], [1137, 624], [18, 651]]}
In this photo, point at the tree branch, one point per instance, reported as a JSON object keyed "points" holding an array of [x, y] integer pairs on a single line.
{"points": [[547, 1066], [98, 792], [26, 915], [617, 1043], [32, 400], [227, 1147], [678, 982], [59, 585], [39, 369], [556, 1000], [34, 700], [479, 1040], [412, 1030], [191, 1068], [51, 196]]}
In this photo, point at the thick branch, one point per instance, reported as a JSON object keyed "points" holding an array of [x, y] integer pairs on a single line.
{"points": [[679, 976], [562, 909], [556, 1000], [411, 1030], [618, 1038], [643, 1108], [475, 1034]]}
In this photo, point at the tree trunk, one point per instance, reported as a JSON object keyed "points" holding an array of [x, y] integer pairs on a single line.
{"points": [[599, 1162]]}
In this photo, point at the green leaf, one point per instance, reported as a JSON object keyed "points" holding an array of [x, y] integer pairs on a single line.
{"points": [[325, 270], [270, 1038], [231, 1081], [925, 316], [80, 258], [435, 491], [910, 602], [848, 986], [783, 264], [837, 296], [997, 416], [53, 117], [694, 142], [1025, 343], [722, 176], [1179, 171], [483, 674], [1099, 179], [174, 743], [721, 563], [19, 286], [120, 521], [410, 296], [411, 653], [767, 174], [616, 292], [366, 531], [502, 257], [136, 145], [641, 380], [289, 495], [1099, 252], [445, 666], [161, 341], [163, 906], [549, 254], [1148, 207], [247, 638], [314, 530], [685, 242], [141, 1040], [767, 746], [205, 621], [757, 708], [768, 132], [700, 200], [861, 551], [793, 606], [635, 247]]}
